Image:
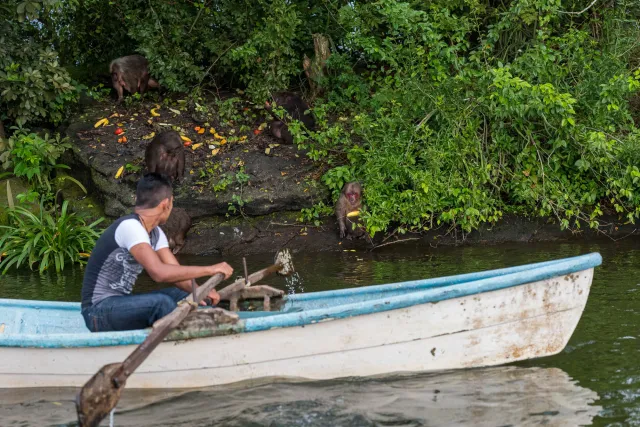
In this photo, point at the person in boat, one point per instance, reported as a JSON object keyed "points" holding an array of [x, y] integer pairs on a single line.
{"points": [[132, 243]]}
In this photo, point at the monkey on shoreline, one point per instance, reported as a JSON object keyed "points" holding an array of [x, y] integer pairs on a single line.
{"points": [[131, 73], [176, 228], [165, 155], [350, 200], [295, 107]]}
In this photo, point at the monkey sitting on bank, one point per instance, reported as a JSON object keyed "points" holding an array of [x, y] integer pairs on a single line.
{"points": [[176, 228], [295, 107], [165, 155], [350, 200], [131, 73]]}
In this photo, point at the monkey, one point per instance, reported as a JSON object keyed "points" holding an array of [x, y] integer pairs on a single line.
{"points": [[350, 200], [131, 73], [165, 155], [295, 107], [176, 227]]}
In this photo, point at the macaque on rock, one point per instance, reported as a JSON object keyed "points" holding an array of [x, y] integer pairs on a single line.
{"points": [[165, 155], [350, 201], [176, 228], [131, 73], [295, 107]]}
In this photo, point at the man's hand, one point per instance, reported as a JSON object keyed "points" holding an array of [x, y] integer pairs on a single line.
{"points": [[223, 268], [214, 296]]}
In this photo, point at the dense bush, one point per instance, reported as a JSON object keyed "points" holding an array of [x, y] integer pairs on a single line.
{"points": [[465, 115], [34, 87], [450, 112], [254, 44], [34, 158]]}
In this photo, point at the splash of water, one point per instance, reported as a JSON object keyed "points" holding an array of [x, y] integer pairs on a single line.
{"points": [[294, 283]]}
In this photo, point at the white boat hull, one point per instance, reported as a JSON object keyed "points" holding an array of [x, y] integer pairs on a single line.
{"points": [[485, 329]]}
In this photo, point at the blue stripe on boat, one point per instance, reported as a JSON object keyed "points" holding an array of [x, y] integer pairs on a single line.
{"points": [[48, 324]]}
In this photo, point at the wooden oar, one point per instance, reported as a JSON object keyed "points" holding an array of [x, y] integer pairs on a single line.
{"points": [[101, 393]]}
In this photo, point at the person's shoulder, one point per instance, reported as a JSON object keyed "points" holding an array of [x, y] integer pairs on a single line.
{"points": [[130, 232], [130, 222], [130, 225]]}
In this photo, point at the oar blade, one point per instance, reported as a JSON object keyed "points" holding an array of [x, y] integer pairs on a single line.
{"points": [[98, 396], [284, 259]]}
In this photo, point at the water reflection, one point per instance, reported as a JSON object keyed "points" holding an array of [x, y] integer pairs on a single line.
{"points": [[482, 397]]}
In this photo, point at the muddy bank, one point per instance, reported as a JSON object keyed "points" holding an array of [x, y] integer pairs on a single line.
{"points": [[269, 233], [244, 190]]}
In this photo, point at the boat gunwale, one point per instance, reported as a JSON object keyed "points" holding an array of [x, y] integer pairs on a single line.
{"points": [[522, 276]]}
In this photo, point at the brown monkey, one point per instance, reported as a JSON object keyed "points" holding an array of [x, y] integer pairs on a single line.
{"points": [[295, 107], [176, 228], [131, 73], [350, 200], [165, 155]]}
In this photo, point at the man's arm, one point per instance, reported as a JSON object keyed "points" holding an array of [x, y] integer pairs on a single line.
{"points": [[174, 273], [167, 257]]}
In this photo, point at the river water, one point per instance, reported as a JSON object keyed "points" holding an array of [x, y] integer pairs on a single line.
{"points": [[594, 381]]}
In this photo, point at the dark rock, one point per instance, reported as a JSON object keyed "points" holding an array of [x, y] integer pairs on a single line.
{"points": [[275, 182]]}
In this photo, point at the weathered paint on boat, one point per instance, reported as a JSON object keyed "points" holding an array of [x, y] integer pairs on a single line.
{"points": [[479, 319]]}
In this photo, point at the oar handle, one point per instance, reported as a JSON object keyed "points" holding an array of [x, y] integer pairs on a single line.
{"points": [[207, 287]]}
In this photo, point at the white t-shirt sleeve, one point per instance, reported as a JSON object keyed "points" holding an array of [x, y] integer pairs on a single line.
{"points": [[162, 240], [130, 233]]}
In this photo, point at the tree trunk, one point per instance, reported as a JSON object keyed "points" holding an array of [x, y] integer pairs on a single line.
{"points": [[315, 68]]}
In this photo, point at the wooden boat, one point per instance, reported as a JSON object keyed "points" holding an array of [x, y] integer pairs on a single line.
{"points": [[470, 320]]}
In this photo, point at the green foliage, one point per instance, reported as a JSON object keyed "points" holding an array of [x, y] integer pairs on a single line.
{"points": [[46, 238], [255, 44], [336, 178], [241, 178], [33, 157], [132, 168], [98, 92], [448, 112], [36, 88], [33, 86], [531, 118], [36, 159], [315, 213]]}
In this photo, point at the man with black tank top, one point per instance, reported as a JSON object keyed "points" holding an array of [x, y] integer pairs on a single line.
{"points": [[133, 243]]}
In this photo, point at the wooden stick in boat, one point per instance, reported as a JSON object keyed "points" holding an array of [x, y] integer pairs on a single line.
{"points": [[283, 257], [102, 392]]}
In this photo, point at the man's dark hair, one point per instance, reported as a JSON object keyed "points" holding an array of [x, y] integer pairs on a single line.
{"points": [[152, 189]]}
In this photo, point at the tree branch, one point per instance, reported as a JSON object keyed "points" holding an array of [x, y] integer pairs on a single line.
{"points": [[581, 12]]}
